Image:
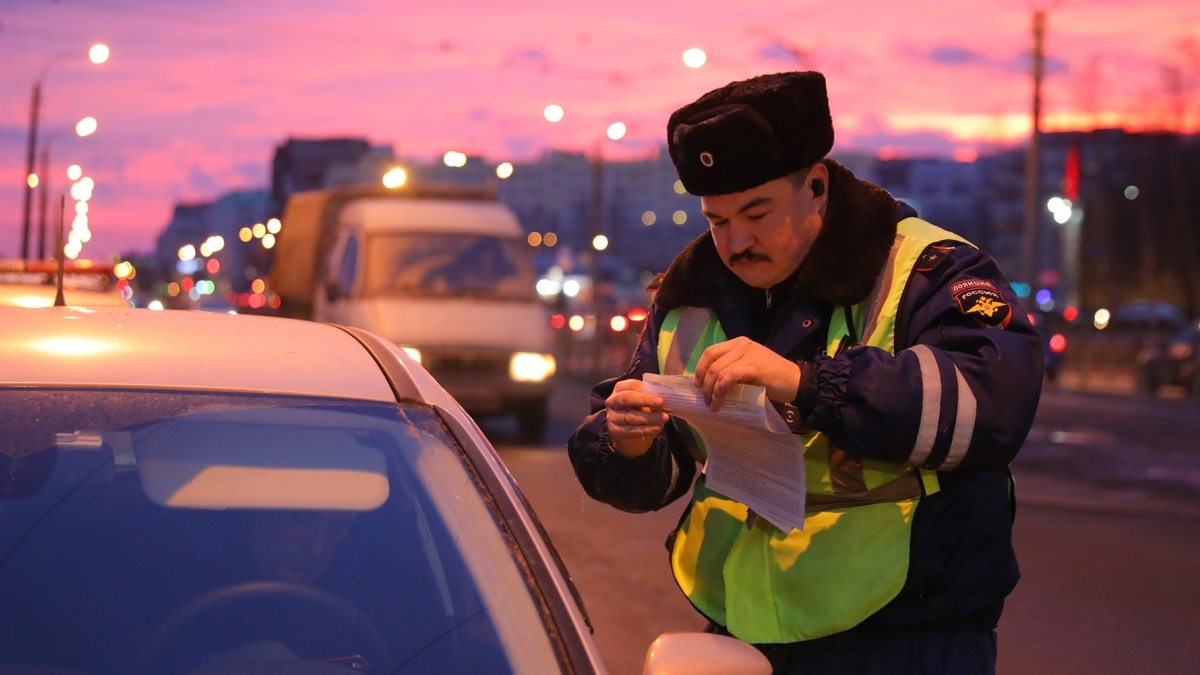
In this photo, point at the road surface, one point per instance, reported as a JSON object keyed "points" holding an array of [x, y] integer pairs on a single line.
{"points": [[1107, 532]]}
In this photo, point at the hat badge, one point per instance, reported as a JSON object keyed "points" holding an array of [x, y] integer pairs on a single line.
{"points": [[706, 158]]}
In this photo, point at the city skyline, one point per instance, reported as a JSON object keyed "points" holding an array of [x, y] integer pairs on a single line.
{"points": [[194, 99]]}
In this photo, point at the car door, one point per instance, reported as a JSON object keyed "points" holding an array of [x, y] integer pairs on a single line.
{"points": [[343, 272]]}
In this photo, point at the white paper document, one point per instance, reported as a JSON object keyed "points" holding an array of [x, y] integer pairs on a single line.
{"points": [[752, 456]]}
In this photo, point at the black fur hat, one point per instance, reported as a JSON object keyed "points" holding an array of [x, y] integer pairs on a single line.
{"points": [[750, 132]]}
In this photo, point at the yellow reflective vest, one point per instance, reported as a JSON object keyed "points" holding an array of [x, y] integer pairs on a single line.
{"points": [[767, 586]]}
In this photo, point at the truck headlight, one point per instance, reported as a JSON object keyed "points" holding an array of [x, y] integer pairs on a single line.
{"points": [[530, 367], [414, 353]]}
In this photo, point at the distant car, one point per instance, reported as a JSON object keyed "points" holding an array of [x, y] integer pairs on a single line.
{"points": [[1147, 315], [189, 492], [1176, 364], [1054, 343], [1054, 346], [32, 283]]}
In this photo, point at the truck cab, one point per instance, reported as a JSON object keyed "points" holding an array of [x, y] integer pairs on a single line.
{"points": [[450, 280]]}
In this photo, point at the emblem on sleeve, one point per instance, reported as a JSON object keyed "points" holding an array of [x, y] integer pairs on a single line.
{"points": [[982, 301]]}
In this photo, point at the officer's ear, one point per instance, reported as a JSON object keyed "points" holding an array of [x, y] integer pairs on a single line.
{"points": [[818, 181]]}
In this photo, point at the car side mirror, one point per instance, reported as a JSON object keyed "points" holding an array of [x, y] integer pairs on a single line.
{"points": [[703, 654]]}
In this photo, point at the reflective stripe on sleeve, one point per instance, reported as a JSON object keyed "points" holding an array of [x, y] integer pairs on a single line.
{"points": [[964, 424], [931, 404]]}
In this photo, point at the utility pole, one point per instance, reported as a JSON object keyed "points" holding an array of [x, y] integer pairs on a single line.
{"points": [[31, 149], [596, 229], [43, 189], [1029, 248]]}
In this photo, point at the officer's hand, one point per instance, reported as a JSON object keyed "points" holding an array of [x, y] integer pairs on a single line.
{"points": [[633, 418], [744, 361]]}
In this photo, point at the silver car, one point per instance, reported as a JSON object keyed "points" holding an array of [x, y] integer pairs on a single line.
{"points": [[198, 493]]}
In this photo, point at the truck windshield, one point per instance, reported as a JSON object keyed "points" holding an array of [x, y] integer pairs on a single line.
{"points": [[445, 265]]}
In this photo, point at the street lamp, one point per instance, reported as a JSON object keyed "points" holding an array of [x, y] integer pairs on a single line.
{"points": [[97, 54]]}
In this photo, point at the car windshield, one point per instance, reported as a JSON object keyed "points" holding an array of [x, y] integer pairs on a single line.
{"points": [[149, 532], [449, 265]]}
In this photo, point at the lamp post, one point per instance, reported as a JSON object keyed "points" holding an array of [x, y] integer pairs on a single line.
{"points": [[97, 54]]}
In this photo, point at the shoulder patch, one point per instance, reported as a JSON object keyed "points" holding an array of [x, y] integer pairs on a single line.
{"points": [[931, 257], [982, 301]]}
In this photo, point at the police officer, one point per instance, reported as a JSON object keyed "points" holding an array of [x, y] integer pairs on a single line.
{"points": [[900, 358]]}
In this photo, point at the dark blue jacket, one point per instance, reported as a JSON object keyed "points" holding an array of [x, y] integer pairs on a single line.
{"points": [[869, 404]]}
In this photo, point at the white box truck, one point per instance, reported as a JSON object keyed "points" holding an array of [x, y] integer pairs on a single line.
{"points": [[443, 271]]}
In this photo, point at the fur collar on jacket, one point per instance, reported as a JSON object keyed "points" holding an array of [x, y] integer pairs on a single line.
{"points": [[845, 260]]}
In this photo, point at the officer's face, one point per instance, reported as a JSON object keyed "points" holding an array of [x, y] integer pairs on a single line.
{"points": [[764, 233]]}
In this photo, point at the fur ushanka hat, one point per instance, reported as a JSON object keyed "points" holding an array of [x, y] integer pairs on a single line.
{"points": [[750, 132]]}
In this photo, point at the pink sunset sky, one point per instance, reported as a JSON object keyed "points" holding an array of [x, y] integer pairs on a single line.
{"points": [[197, 94]]}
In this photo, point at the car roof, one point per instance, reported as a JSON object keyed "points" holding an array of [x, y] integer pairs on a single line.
{"points": [[181, 350], [431, 215]]}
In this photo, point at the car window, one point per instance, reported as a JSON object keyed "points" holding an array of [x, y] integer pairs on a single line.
{"points": [[167, 532], [348, 267], [446, 265]]}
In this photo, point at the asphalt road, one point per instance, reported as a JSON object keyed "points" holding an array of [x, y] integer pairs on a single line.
{"points": [[1107, 532]]}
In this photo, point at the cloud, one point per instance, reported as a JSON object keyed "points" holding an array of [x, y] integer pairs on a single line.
{"points": [[528, 57], [900, 144], [949, 55], [777, 51], [955, 56]]}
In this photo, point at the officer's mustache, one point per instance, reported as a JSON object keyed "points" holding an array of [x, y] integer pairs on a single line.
{"points": [[749, 256]]}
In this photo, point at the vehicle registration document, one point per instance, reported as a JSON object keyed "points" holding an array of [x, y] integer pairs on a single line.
{"points": [[752, 455]]}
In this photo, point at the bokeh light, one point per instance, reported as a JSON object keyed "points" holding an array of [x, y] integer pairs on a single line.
{"points": [[98, 53], [395, 178], [86, 126], [694, 57]]}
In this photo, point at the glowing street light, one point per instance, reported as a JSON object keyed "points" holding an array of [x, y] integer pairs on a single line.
{"points": [[600, 242], [98, 53], [694, 57], [86, 127], [395, 178], [616, 131], [504, 170], [74, 172], [553, 113]]}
